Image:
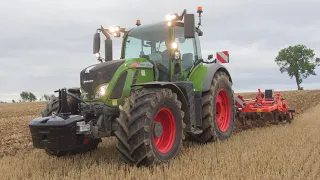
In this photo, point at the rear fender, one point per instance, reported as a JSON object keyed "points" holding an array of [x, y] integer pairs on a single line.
{"points": [[211, 72], [202, 75]]}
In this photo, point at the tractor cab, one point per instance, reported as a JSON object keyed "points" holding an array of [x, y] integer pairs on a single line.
{"points": [[172, 46]]}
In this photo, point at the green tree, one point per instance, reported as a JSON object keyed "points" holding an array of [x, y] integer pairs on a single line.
{"points": [[27, 96], [24, 96], [13, 101], [298, 61], [46, 97], [32, 97]]}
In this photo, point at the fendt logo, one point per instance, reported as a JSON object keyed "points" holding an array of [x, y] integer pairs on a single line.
{"points": [[87, 81]]}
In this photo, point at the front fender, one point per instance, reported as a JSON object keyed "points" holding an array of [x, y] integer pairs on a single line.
{"points": [[161, 84], [175, 89]]}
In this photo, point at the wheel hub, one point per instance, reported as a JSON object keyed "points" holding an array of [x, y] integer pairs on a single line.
{"points": [[158, 129]]}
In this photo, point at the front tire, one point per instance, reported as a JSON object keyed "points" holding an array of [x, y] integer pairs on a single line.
{"points": [[150, 127], [218, 111], [87, 145]]}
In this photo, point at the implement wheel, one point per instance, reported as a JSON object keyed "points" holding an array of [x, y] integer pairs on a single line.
{"points": [[150, 127], [218, 111], [85, 144]]}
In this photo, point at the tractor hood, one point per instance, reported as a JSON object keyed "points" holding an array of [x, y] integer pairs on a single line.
{"points": [[95, 75]]}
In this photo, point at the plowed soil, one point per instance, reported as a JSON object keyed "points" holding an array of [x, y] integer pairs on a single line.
{"points": [[284, 151]]}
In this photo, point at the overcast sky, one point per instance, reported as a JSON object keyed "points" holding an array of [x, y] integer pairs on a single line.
{"points": [[45, 44]]}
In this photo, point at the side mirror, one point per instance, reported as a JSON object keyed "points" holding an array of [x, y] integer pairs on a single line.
{"points": [[96, 43], [210, 56], [189, 26], [108, 49]]}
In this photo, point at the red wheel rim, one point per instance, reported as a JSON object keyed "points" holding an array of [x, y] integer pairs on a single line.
{"points": [[223, 110], [165, 142], [86, 140]]}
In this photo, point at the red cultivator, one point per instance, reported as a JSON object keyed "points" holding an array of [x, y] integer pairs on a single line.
{"points": [[264, 106]]}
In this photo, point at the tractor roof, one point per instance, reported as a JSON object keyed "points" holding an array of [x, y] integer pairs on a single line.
{"points": [[152, 32]]}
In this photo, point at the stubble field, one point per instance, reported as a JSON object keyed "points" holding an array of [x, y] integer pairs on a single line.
{"points": [[286, 151]]}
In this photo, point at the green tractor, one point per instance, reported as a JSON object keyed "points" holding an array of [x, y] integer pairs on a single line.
{"points": [[159, 93]]}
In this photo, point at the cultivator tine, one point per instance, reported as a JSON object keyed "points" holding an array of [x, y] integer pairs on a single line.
{"points": [[276, 117], [242, 119]]}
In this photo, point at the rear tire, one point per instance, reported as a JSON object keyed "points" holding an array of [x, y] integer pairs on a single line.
{"points": [[218, 111], [139, 142], [86, 144]]}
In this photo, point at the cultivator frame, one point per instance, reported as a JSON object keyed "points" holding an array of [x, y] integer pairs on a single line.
{"points": [[265, 106]]}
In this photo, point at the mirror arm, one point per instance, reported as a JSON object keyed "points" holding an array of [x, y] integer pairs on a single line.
{"points": [[182, 14], [198, 62], [105, 33]]}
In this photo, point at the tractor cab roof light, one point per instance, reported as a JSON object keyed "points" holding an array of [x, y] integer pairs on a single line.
{"points": [[171, 17], [138, 23], [199, 9], [114, 29], [168, 17]]}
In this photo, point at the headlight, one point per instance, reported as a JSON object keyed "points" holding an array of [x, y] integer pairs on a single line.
{"points": [[101, 91], [84, 95]]}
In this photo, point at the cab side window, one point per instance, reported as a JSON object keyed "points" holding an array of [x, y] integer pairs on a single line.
{"points": [[187, 49]]}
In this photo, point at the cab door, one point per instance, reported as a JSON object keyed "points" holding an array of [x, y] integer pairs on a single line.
{"points": [[188, 51]]}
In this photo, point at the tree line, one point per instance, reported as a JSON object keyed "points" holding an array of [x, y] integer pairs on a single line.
{"points": [[30, 97]]}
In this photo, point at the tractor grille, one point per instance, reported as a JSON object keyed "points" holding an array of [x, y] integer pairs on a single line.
{"points": [[118, 89], [95, 75]]}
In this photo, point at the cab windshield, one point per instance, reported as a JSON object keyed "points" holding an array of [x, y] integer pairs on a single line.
{"points": [[149, 41]]}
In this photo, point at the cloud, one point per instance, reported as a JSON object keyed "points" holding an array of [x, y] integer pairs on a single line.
{"points": [[45, 44]]}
